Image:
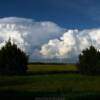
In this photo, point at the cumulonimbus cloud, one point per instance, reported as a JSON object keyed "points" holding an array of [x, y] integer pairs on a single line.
{"points": [[28, 34], [47, 40], [71, 44]]}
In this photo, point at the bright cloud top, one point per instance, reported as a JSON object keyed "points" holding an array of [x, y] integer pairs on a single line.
{"points": [[71, 44]]}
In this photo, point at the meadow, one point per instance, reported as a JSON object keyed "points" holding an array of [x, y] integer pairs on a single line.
{"points": [[61, 82]]}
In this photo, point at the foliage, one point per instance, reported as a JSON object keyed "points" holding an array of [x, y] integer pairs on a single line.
{"points": [[89, 61], [12, 59]]}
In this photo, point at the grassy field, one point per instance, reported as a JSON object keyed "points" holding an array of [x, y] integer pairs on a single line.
{"points": [[50, 68], [66, 86]]}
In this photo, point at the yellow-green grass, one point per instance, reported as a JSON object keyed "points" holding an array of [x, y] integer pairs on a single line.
{"points": [[51, 67]]}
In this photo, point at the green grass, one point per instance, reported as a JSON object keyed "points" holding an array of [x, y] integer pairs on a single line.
{"points": [[52, 83], [69, 86], [52, 67]]}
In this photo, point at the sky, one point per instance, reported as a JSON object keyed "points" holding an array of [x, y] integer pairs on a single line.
{"points": [[67, 13], [51, 30]]}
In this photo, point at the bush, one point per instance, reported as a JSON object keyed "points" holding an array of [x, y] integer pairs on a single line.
{"points": [[12, 59], [89, 61]]}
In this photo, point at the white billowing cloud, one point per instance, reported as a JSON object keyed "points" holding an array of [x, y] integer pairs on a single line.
{"points": [[28, 34], [71, 44], [59, 47], [45, 39]]}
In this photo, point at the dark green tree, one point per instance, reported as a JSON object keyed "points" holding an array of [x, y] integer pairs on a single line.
{"points": [[12, 59], [89, 61]]}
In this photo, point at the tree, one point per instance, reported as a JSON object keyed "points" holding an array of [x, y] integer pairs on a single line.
{"points": [[12, 59], [89, 61]]}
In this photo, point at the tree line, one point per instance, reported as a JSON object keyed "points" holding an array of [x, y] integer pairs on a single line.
{"points": [[14, 61]]}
